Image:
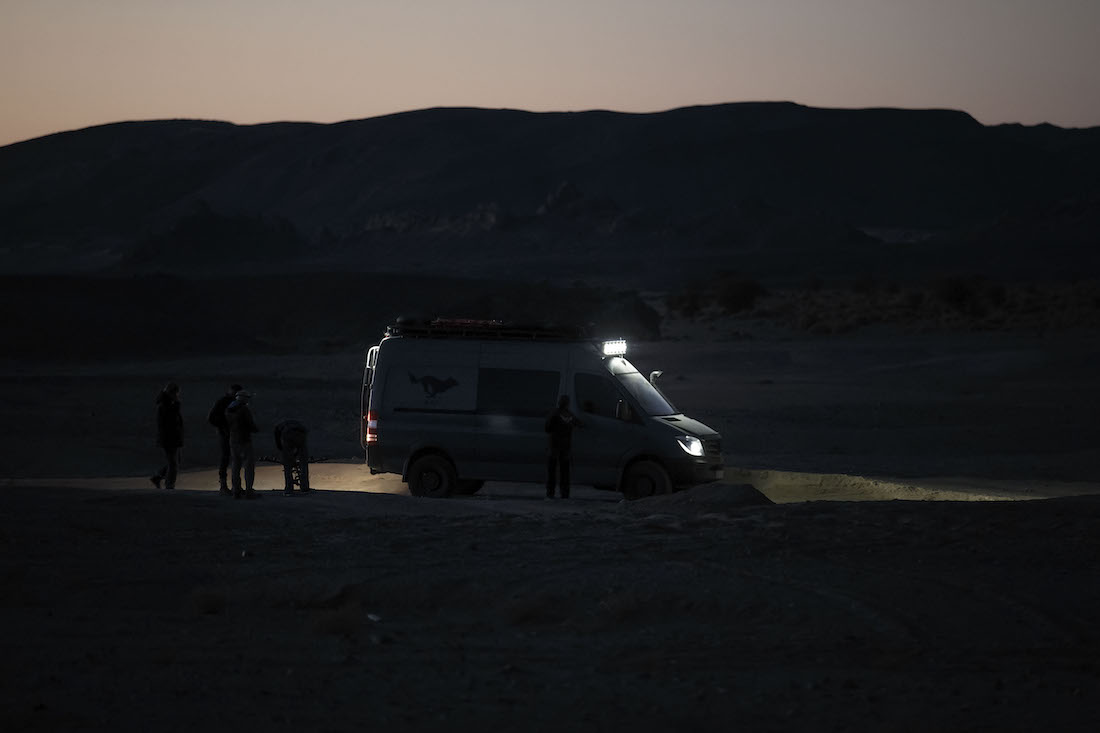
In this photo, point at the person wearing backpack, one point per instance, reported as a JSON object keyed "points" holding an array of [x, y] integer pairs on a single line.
{"points": [[216, 417]]}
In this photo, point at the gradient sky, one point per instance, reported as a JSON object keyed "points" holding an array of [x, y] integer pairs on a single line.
{"points": [[66, 64]]}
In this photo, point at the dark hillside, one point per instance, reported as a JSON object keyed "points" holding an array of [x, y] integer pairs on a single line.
{"points": [[164, 316], [753, 186]]}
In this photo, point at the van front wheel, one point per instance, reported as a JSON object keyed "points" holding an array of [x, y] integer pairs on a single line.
{"points": [[646, 478], [432, 476]]}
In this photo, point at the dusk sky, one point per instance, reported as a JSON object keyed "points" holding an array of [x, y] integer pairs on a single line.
{"points": [[67, 64]]}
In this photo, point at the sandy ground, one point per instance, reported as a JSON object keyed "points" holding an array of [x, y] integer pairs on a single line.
{"points": [[799, 594]]}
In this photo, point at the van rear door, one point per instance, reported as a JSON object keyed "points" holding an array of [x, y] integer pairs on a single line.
{"points": [[364, 396]]}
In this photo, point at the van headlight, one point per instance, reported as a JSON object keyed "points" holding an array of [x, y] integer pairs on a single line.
{"points": [[691, 445]]}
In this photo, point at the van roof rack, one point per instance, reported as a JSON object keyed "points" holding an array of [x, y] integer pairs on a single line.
{"points": [[473, 328]]}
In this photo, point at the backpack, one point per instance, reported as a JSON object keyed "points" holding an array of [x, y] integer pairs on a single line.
{"points": [[216, 417]]}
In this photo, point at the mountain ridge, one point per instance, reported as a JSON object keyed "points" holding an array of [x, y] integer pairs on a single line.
{"points": [[470, 186]]}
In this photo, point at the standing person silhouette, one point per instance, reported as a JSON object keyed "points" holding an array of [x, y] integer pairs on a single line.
{"points": [[216, 417], [241, 427], [169, 434], [559, 425]]}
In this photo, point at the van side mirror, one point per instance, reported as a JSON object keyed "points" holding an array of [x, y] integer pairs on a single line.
{"points": [[654, 376], [623, 411]]}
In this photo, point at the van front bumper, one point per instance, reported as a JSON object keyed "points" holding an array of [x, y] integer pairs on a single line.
{"points": [[695, 473]]}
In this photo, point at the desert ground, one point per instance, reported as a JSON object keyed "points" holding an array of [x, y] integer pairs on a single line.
{"points": [[905, 539]]}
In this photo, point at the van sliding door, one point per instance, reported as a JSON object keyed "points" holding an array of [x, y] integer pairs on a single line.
{"points": [[512, 406]]}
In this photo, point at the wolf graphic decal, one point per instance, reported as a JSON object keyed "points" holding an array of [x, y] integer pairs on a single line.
{"points": [[433, 386]]}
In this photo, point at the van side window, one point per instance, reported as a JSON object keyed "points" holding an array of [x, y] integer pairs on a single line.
{"points": [[596, 395], [525, 392]]}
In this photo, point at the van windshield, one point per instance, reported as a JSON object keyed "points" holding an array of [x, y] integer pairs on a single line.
{"points": [[649, 399]]}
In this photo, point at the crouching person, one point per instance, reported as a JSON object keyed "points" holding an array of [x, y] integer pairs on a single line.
{"points": [[293, 451]]}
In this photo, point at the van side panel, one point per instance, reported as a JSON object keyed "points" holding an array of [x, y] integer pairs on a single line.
{"points": [[425, 396], [519, 384], [512, 416]]}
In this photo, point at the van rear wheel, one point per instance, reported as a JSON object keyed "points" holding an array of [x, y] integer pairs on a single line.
{"points": [[432, 476], [646, 478]]}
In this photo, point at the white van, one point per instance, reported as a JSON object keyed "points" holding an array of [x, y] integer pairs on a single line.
{"points": [[450, 404]]}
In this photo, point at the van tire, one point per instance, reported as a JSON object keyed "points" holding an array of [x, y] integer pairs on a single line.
{"points": [[468, 487], [432, 476], [645, 478]]}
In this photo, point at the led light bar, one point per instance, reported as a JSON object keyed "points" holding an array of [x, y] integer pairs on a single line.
{"points": [[614, 348]]}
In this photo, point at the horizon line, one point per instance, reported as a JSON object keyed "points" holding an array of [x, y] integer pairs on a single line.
{"points": [[594, 110]]}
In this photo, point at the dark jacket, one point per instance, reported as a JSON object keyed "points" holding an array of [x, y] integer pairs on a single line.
{"points": [[217, 412], [169, 422], [559, 424], [241, 424]]}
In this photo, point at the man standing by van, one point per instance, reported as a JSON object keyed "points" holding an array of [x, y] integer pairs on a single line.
{"points": [[559, 425]]}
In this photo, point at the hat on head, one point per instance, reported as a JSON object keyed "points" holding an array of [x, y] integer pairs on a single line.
{"points": [[243, 396]]}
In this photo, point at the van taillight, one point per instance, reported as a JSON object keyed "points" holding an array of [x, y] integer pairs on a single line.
{"points": [[371, 420]]}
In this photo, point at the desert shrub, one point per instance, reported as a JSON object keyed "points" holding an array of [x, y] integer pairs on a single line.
{"points": [[996, 294], [961, 293], [865, 285], [811, 284], [688, 303], [734, 294], [913, 300]]}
